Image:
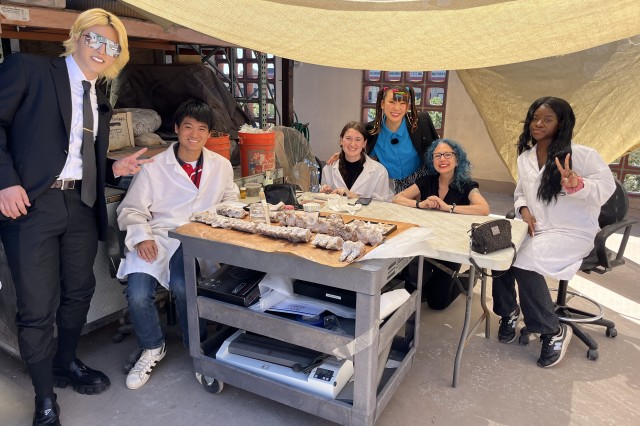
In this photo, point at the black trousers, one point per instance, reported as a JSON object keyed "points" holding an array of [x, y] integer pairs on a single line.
{"points": [[51, 252], [439, 289], [535, 300]]}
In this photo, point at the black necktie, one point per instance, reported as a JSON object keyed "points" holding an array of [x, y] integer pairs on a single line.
{"points": [[88, 189]]}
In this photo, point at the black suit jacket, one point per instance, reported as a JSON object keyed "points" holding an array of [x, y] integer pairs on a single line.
{"points": [[421, 138], [35, 120]]}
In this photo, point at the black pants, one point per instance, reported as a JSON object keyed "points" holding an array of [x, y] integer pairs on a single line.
{"points": [[535, 299], [439, 289], [51, 252]]}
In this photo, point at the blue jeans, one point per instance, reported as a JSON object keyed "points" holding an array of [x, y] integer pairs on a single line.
{"points": [[141, 296]]}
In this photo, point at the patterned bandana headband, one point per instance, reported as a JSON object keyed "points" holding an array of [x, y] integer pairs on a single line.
{"points": [[400, 95]]}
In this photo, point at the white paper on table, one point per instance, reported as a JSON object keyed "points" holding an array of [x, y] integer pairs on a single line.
{"points": [[412, 242]]}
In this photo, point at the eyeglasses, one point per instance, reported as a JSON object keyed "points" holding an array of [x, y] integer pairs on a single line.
{"points": [[95, 41], [394, 141], [447, 155]]}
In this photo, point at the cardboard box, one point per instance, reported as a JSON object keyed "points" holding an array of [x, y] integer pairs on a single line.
{"points": [[121, 131], [58, 4], [188, 59]]}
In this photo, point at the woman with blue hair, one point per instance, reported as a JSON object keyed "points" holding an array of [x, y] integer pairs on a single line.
{"points": [[446, 187]]}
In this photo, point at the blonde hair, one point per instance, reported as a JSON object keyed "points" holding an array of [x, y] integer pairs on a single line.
{"points": [[94, 17]]}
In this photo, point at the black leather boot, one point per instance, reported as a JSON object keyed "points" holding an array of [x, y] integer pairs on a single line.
{"points": [[82, 378]]}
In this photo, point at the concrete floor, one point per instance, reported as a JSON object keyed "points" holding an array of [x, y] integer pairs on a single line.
{"points": [[499, 384]]}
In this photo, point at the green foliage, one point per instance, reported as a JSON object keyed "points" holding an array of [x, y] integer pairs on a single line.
{"points": [[436, 117], [634, 158], [632, 183]]}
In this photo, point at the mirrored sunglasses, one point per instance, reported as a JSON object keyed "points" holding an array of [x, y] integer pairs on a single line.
{"points": [[95, 41]]}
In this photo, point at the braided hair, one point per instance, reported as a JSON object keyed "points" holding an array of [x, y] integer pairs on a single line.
{"points": [[559, 147], [412, 112]]}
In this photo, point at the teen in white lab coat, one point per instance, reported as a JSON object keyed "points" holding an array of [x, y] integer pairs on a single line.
{"points": [[184, 179], [561, 188], [355, 174]]}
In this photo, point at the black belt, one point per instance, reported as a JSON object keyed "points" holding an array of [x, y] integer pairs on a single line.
{"points": [[64, 184]]}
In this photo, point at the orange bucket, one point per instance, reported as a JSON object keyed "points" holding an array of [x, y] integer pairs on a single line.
{"points": [[220, 145], [257, 152]]}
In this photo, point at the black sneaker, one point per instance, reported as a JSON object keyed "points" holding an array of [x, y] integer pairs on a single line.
{"points": [[507, 330], [554, 346]]}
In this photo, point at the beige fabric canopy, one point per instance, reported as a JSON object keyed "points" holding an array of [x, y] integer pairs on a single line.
{"points": [[406, 35], [601, 84], [508, 53]]}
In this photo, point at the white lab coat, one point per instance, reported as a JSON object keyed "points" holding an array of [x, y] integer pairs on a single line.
{"points": [[161, 198], [564, 230], [373, 182]]}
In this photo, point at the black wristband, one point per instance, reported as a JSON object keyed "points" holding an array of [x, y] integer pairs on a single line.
{"points": [[418, 204], [453, 206]]}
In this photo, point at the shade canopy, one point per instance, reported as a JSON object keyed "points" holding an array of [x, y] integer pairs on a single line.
{"points": [[508, 53], [406, 35]]}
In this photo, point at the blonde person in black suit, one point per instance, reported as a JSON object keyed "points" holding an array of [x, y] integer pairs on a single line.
{"points": [[54, 135]]}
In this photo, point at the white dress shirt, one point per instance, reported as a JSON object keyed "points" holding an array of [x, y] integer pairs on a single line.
{"points": [[73, 166]]}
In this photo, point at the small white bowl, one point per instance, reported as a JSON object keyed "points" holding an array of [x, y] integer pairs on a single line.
{"points": [[311, 207]]}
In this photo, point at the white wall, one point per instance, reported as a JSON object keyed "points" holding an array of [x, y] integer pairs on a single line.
{"points": [[464, 124], [326, 98]]}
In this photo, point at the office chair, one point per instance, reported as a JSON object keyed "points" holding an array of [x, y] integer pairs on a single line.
{"points": [[601, 260]]}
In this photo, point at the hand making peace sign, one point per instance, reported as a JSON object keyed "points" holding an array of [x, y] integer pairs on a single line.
{"points": [[568, 178], [130, 165]]}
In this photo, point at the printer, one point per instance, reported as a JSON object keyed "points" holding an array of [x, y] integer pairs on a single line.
{"points": [[294, 365]]}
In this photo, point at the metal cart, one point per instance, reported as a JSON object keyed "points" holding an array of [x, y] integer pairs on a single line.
{"points": [[371, 338]]}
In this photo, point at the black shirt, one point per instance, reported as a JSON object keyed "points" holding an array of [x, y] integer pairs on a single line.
{"points": [[353, 171], [428, 186]]}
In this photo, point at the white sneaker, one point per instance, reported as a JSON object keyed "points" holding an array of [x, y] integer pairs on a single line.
{"points": [[140, 373]]}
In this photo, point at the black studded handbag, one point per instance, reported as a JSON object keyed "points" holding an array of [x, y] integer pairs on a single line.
{"points": [[490, 236]]}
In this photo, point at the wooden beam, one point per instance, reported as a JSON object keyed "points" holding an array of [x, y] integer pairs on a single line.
{"points": [[60, 20], [287, 92], [34, 35]]}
